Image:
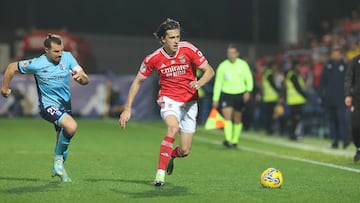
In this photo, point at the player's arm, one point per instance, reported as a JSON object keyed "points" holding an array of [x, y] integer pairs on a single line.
{"points": [[8, 75], [134, 89], [249, 83], [80, 76], [349, 82], [205, 78], [219, 77]]}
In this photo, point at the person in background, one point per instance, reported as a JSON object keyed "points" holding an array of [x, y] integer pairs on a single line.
{"points": [[176, 63], [270, 96], [352, 100], [52, 72], [295, 98], [232, 87], [332, 95]]}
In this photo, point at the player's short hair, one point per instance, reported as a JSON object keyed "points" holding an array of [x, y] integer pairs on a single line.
{"points": [[233, 46], [168, 24], [51, 38]]}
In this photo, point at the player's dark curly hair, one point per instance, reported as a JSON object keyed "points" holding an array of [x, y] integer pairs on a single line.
{"points": [[51, 38], [168, 24]]}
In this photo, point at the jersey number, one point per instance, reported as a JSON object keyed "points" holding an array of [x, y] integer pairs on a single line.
{"points": [[52, 110]]}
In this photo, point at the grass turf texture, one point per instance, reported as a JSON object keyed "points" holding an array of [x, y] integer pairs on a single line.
{"points": [[109, 164]]}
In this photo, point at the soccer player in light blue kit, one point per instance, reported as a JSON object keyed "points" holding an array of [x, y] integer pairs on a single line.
{"points": [[52, 72]]}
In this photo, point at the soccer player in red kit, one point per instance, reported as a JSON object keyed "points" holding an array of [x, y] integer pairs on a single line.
{"points": [[176, 63]]}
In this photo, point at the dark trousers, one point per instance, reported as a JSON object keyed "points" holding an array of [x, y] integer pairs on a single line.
{"points": [[355, 123], [268, 112], [339, 123], [295, 117]]}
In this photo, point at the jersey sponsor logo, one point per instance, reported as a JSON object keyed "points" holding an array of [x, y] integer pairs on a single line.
{"points": [[175, 70], [55, 77]]}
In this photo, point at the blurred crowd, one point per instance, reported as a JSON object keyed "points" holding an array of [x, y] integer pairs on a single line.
{"points": [[312, 55]]}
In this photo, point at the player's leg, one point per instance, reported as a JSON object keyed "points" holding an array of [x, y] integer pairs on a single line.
{"points": [[68, 127], [227, 113], [166, 148], [187, 128], [170, 113], [66, 130], [237, 127], [65, 127], [355, 129], [181, 151]]}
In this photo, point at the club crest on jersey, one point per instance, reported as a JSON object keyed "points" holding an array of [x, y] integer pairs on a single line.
{"points": [[142, 68], [62, 67], [182, 58]]}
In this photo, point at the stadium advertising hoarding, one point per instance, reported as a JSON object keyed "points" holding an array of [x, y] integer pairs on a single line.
{"points": [[95, 100]]}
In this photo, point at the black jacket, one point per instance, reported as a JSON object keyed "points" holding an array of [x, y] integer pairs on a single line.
{"points": [[331, 88], [352, 79]]}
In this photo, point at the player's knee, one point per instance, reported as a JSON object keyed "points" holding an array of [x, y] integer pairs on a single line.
{"points": [[173, 130], [71, 129]]}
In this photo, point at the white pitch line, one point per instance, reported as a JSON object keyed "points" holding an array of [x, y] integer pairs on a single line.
{"points": [[300, 146], [273, 154]]}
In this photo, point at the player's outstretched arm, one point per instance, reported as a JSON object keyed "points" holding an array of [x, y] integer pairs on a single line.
{"points": [[8, 75], [134, 89]]}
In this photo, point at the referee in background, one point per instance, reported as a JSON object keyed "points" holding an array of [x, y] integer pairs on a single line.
{"points": [[232, 88]]}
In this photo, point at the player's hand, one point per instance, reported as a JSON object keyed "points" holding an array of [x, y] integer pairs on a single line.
{"points": [[76, 76], [195, 84], [215, 105], [246, 97], [348, 101], [124, 118], [5, 92]]}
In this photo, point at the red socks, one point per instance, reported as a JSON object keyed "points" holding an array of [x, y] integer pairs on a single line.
{"points": [[165, 152]]}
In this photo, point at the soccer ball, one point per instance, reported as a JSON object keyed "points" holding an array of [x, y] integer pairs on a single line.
{"points": [[271, 178]]}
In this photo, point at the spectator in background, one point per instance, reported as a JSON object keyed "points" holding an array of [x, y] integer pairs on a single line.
{"points": [[232, 90], [353, 50], [295, 98], [270, 96], [331, 93], [352, 100]]}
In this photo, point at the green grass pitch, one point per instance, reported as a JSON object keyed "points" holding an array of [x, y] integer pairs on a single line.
{"points": [[110, 164]]}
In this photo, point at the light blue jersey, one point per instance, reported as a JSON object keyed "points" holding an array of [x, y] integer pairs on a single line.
{"points": [[52, 80]]}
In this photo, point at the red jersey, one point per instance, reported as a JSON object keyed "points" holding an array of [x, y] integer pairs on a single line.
{"points": [[175, 72]]}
